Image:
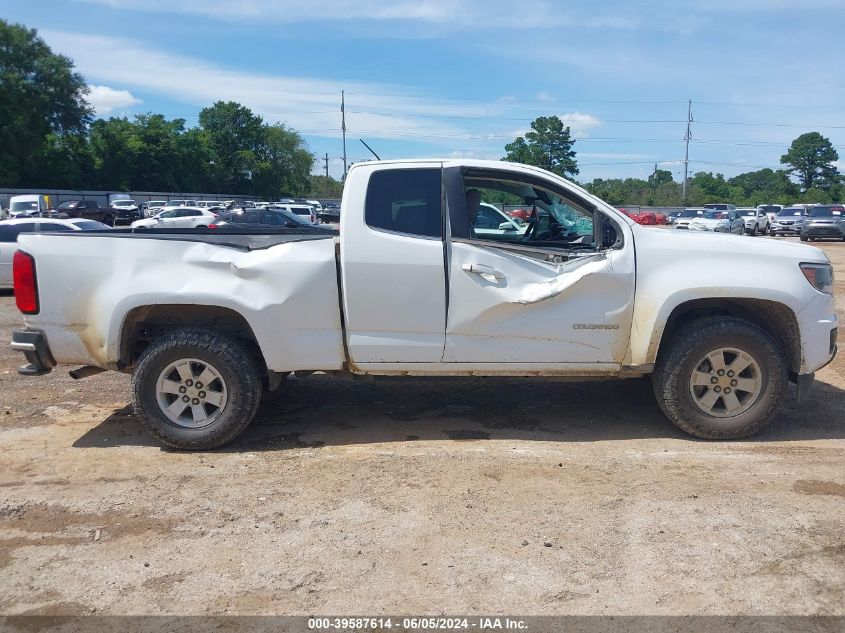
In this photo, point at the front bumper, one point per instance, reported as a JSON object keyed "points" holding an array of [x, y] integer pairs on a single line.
{"points": [[790, 229], [831, 231], [34, 347], [126, 220]]}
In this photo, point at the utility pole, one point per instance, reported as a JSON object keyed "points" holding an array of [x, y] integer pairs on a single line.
{"points": [[326, 160], [687, 137], [343, 128], [654, 181]]}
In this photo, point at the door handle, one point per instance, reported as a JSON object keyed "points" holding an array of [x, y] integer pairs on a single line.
{"points": [[481, 269]]}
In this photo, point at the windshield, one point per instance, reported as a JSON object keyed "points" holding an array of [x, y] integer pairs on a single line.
{"points": [[826, 212], [716, 215], [68, 205], [91, 225], [691, 213], [124, 203], [23, 206], [749, 213], [790, 212]]}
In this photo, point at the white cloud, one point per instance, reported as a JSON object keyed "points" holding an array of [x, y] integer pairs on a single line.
{"points": [[580, 123], [106, 100], [455, 14], [312, 106]]}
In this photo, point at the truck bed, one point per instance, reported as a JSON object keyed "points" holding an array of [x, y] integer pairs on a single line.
{"points": [[283, 284]]}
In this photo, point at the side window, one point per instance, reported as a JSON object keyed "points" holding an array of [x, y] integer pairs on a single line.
{"points": [[531, 216], [405, 201], [10, 232], [52, 227]]}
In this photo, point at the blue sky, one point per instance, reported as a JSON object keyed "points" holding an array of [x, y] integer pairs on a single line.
{"points": [[463, 77]]}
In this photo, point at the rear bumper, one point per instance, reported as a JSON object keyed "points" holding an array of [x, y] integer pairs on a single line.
{"points": [[34, 347]]}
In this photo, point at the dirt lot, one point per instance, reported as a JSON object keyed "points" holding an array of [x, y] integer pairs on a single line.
{"points": [[423, 496]]}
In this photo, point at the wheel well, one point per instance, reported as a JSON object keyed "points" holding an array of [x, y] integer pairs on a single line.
{"points": [[775, 318], [144, 324]]}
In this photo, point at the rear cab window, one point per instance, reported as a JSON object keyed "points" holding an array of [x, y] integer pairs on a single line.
{"points": [[9, 232], [408, 201]]}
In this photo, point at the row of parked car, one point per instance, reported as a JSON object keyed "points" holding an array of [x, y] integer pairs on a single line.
{"points": [[124, 211], [809, 221]]}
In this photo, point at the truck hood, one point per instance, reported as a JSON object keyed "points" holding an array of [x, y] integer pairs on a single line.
{"points": [[721, 243]]}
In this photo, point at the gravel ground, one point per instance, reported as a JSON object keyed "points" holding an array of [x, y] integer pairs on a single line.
{"points": [[419, 496]]}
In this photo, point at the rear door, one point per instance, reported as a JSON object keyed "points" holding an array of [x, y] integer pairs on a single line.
{"points": [[393, 274], [561, 293]]}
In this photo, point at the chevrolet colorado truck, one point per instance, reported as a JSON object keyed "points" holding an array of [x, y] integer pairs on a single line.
{"points": [[207, 320]]}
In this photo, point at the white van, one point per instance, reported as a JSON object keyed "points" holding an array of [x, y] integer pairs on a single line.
{"points": [[27, 205]]}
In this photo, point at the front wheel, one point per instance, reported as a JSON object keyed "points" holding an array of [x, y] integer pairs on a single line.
{"points": [[108, 220], [720, 378], [196, 389]]}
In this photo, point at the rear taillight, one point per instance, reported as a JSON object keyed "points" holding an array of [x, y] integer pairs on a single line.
{"points": [[26, 285], [213, 226]]}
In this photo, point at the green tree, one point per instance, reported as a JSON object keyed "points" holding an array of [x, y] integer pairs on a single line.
{"points": [[765, 186], [113, 147], [660, 177], [325, 187], [548, 145], [284, 163], [812, 159], [40, 96], [234, 134]]}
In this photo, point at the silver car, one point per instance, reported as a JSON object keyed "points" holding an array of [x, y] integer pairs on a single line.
{"points": [[788, 221], [824, 221], [719, 222], [10, 229], [683, 219]]}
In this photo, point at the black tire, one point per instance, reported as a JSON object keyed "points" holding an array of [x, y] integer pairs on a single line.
{"points": [[803, 238], [754, 231], [677, 361], [108, 220], [238, 368]]}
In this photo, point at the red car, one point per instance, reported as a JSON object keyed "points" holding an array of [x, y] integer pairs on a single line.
{"points": [[521, 214]]}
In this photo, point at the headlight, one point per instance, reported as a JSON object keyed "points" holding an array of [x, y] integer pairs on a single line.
{"points": [[820, 276]]}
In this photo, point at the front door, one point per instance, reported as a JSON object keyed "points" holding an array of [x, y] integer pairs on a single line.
{"points": [[394, 280], [559, 291]]}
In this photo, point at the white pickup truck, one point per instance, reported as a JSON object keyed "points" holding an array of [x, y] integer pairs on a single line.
{"points": [[205, 320]]}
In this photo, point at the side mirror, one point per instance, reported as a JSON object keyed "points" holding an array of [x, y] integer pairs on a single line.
{"points": [[507, 226]]}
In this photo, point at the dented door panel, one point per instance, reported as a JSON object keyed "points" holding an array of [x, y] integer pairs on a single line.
{"points": [[512, 307]]}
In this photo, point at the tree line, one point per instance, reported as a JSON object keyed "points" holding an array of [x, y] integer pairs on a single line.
{"points": [[809, 173]]}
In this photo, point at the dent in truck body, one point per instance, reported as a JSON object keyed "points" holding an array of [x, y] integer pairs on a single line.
{"points": [[287, 293]]}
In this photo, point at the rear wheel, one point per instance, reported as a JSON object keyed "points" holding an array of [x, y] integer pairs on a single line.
{"points": [[108, 220], [804, 238], [720, 378], [196, 389]]}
